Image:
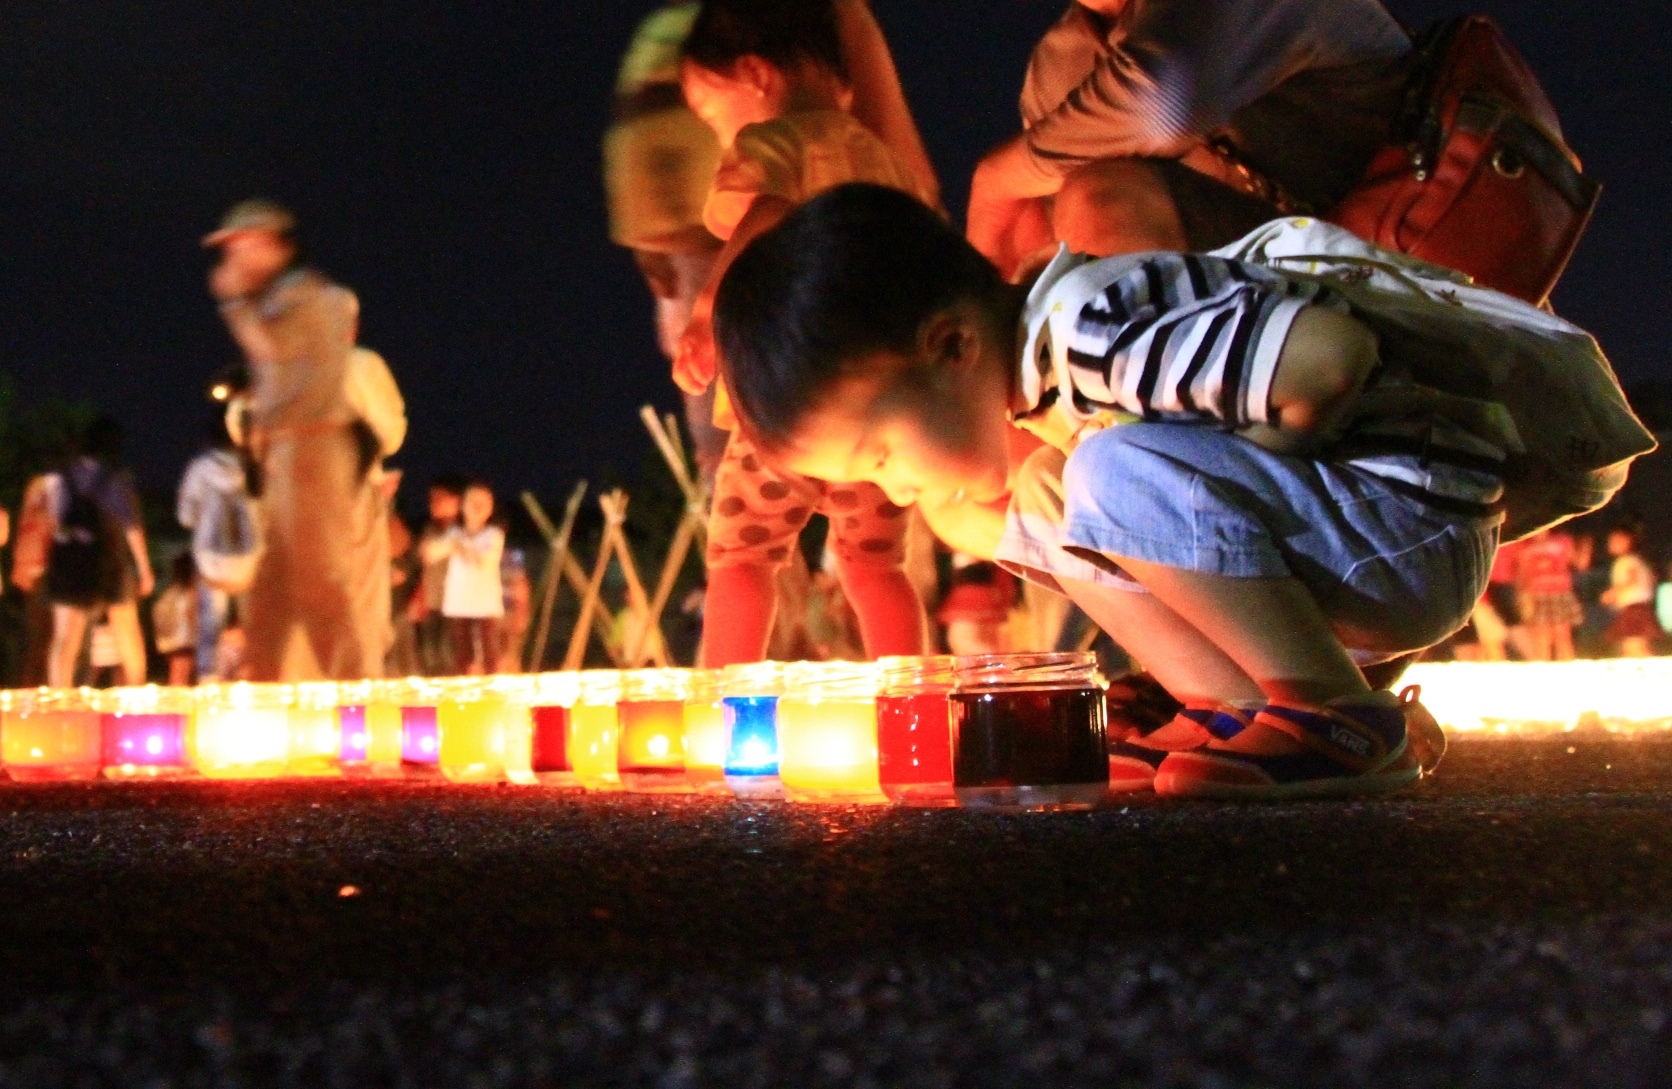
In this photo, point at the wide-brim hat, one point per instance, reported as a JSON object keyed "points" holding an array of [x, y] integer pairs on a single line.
{"points": [[252, 215]]}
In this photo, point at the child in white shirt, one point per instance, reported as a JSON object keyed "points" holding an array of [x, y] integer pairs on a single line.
{"points": [[472, 599]]}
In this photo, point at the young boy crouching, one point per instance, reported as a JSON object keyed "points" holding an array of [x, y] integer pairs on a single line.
{"points": [[1213, 493]]}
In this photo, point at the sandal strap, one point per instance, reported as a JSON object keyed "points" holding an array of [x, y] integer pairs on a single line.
{"points": [[1343, 738]]}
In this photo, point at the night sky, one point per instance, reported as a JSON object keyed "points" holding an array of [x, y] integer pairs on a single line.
{"points": [[444, 161]]}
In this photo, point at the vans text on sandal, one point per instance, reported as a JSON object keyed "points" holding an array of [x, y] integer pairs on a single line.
{"points": [[1346, 751]]}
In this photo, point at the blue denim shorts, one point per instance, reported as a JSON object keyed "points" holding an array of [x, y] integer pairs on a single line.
{"points": [[1392, 573]]}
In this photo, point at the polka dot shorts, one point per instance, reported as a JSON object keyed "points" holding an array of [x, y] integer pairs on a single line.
{"points": [[759, 512]]}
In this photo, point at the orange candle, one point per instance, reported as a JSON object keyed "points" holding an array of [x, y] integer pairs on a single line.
{"points": [[50, 734], [827, 733], [651, 753]]}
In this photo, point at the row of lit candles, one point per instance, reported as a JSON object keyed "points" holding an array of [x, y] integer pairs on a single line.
{"points": [[1022, 729]]}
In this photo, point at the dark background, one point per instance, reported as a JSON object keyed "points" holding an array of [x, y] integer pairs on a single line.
{"points": [[444, 161]]}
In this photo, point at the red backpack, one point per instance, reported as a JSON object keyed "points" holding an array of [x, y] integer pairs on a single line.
{"points": [[1479, 179]]}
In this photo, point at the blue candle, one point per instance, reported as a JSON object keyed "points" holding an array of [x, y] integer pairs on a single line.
{"points": [[751, 744]]}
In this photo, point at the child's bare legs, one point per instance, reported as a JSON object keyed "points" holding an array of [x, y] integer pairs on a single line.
{"points": [[738, 612], [130, 641], [1211, 638], [886, 603], [69, 628], [1561, 643]]}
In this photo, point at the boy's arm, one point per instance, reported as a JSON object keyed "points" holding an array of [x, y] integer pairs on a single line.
{"points": [[694, 362], [1320, 376]]}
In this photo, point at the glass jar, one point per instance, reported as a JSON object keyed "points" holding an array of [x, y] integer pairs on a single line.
{"points": [[315, 736], [651, 753], [1028, 732], [554, 702], [241, 730], [517, 692], [369, 722], [144, 731], [749, 706], [594, 730], [51, 733], [914, 730], [705, 734], [420, 732], [470, 722], [827, 732]]}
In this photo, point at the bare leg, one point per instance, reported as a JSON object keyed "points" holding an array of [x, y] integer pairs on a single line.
{"points": [[1561, 643], [130, 641], [69, 628], [886, 603], [737, 619]]}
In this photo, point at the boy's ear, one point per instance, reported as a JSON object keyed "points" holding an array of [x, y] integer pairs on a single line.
{"points": [[950, 340]]}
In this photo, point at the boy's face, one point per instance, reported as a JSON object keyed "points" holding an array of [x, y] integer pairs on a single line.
{"points": [[478, 508], [932, 428], [444, 506], [1619, 543], [726, 102]]}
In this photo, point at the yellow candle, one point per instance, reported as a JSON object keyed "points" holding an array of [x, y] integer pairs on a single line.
{"points": [[471, 718], [315, 736], [651, 720], [594, 731], [705, 733], [241, 731], [827, 733], [51, 734]]}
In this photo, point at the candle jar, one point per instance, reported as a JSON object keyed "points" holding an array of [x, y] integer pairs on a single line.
{"points": [[594, 730], [518, 693], [369, 723], [50, 733], [241, 731], [914, 730], [144, 731], [472, 716], [554, 702], [705, 734], [749, 708], [650, 755], [315, 736], [420, 732], [827, 732], [1028, 732]]}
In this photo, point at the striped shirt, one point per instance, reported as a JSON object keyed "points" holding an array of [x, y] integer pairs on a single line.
{"points": [[1197, 338]]}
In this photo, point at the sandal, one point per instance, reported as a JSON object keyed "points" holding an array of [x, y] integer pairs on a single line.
{"points": [[1346, 750], [1132, 764]]}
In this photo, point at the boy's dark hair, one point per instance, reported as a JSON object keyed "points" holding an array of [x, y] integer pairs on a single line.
{"points": [[785, 32], [452, 484], [851, 273]]}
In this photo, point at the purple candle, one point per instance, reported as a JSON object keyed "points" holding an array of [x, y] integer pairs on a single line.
{"points": [[144, 740], [420, 736], [355, 739]]}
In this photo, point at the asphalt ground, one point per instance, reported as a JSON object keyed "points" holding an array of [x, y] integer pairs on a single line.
{"points": [[1507, 924]]}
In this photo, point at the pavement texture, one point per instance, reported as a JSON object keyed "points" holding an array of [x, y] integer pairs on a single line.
{"points": [[1507, 924]]}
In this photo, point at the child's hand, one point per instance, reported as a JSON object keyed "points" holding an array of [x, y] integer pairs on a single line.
{"points": [[695, 360]]}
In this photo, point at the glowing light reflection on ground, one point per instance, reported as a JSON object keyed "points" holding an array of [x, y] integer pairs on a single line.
{"points": [[1621, 696]]}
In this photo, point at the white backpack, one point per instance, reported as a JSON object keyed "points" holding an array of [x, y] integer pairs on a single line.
{"points": [[1577, 432]]}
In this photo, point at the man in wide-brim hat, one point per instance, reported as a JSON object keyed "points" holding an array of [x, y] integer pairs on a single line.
{"points": [[322, 416]]}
